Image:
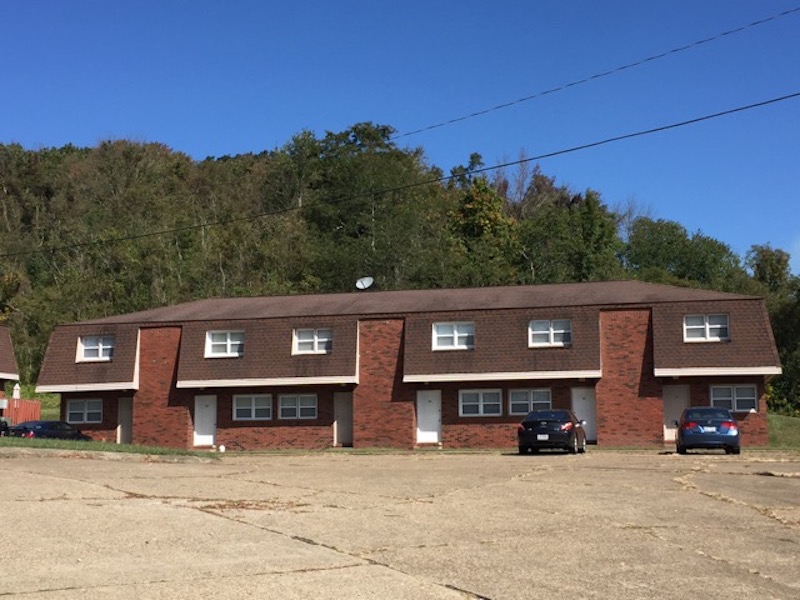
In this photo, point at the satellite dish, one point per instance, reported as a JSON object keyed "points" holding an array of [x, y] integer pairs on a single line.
{"points": [[364, 283]]}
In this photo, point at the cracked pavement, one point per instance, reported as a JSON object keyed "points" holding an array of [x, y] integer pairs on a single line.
{"points": [[440, 525]]}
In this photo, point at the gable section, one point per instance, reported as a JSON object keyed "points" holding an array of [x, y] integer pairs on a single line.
{"points": [[65, 369], [8, 361], [744, 346], [264, 352], [501, 346]]}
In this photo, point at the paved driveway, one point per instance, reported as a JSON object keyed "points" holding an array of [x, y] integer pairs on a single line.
{"points": [[428, 525]]}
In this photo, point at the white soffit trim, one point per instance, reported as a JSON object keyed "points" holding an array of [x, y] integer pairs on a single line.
{"points": [[515, 375], [12, 376], [224, 383], [706, 371], [87, 387]]}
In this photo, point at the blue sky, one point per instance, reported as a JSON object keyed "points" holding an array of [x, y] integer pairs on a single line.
{"points": [[214, 77]]}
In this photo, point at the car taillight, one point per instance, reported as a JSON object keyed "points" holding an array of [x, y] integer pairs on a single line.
{"points": [[689, 425], [29, 434], [567, 426], [730, 425]]}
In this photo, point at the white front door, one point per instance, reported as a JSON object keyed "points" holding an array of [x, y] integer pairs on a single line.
{"points": [[343, 419], [676, 398], [584, 405], [205, 420], [429, 416], [125, 421]]}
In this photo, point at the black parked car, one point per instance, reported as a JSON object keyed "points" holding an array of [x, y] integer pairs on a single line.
{"points": [[551, 429], [707, 427], [58, 430]]}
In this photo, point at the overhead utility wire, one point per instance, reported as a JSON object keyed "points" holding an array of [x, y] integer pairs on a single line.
{"points": [[418, 183], [598, 75]]}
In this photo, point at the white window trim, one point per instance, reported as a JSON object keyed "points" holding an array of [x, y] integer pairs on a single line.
{"points": [[530, 392], [481, 402], [734, 397], [84, 410], [316, 341], [228, 353], [295, 398], [551, 331], [82, 346], [707, 337], [455, 337], [252, 398]]}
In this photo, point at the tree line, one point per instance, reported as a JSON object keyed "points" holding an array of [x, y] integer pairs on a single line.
{"points": [[125, 226]]}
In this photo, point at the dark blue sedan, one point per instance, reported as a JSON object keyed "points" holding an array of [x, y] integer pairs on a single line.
{"points": [[551, 429], [58, 430], [707, 427]]}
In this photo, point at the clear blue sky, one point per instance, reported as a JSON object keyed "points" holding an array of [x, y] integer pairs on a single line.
{"points": [[214, 77]]}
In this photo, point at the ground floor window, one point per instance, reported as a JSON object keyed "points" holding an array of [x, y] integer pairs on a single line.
{"points": [[521, 402], [738, 398], [297, 406], [252, 408], [477, 403], [85, 411]]}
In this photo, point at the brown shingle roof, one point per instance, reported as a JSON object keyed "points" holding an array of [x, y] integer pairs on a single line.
{"points": [[416, 301], [8, 361]]}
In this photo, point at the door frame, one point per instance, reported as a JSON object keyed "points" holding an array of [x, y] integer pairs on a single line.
{"points": [[209, 414], [590, 414], [429, 404], [125, 420], [343, 419]]}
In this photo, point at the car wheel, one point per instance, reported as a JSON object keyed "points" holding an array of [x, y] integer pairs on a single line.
{"points": [[582, 448], [573, 449], [523, 449], [681, 449], [736, 450]]}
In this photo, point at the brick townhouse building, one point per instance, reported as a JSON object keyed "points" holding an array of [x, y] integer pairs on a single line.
{"points": [[452, 367], [8, 366]]}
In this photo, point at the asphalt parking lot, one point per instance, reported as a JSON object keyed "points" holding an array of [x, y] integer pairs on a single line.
{"points": [[617, 525]]}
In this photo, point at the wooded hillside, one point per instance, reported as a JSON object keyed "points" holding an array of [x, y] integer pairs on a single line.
{"points": [[124, 226]]}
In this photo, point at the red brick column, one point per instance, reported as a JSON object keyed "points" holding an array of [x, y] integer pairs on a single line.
{"points": [[161, 413], [383, 407], [630, 411]]}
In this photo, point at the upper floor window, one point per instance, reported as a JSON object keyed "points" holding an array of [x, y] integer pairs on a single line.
{"points": [[95, 347], [550, 333], [224, 344], [313, 341], [705, 328], [85, 411], [478, 403], [738, 398], [297, 406], [521, 402], [453, 336], [252, 408]]}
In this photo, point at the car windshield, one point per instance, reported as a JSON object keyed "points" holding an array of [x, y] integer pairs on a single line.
{"points": [[714, 413], [548, 415]]}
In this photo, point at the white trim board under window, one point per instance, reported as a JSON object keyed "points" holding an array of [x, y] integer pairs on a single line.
{"points": [[521, 402], [224, 344], [89, 410], [453, 335], [557, 332], [480, 403], [738, 398], [312, 341], [95, 348], [252, 407], [706, 328]]}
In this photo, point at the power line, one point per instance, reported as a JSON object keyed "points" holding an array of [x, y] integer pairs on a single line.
{"points": [[431, 181], [613, 71]]}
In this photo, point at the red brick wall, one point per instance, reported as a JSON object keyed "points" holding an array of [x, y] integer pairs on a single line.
{"points": [[161, 413], [383, 407], [629, 406], [275, 433]]}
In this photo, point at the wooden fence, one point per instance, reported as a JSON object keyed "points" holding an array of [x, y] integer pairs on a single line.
{"points": [[17, 410]]}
